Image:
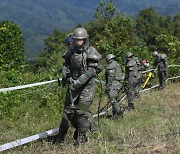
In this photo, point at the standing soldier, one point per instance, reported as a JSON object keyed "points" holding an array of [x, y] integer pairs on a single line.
{"points": [[79, 71], [139, 77], [131, 78], [113, 76], [160, 60]]}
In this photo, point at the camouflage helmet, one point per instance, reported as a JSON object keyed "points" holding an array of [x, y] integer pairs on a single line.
{"points": [[109, 57], [80, 33], [129, 54], [155, 53]]}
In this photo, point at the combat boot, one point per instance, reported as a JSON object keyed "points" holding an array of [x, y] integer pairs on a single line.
{"points": [[160, 88], [136, 95], [117, 115], [131, 106], [75, 135], [81, 139], [58, 138]]}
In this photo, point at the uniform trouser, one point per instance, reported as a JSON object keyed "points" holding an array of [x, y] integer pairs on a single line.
{"points": [[80, 116], [78, 119], [162, 78], [115, 106], [137, 88], [113, 95], [130, 91]]}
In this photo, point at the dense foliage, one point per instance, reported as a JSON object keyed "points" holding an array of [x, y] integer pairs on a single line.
{"points": [[39, 18], [11, 46]]}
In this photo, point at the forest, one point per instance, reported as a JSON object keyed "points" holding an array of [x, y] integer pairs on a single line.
{"points": [[38, 19]]}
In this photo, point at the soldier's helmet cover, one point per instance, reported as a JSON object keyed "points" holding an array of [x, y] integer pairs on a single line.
{"points": [[129, 54], [80, 33], [109, 57], [155, 53]]}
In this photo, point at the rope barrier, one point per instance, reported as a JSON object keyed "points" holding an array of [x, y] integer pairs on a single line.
{"points": [[26, 86], [27, 140], [52, 131]]}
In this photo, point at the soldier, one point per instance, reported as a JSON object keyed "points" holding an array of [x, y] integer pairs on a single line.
{"points": [[79, 71], [139, 77], [113, 76], [131, 78], [68, 41], [160, 60]]}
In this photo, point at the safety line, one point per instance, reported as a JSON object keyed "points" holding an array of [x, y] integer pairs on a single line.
{"points": [[26, 86], [27, 139], [155, 69], [173, 78], [173, 65]]}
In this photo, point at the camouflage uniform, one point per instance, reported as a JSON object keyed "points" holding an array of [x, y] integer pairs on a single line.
{"points": [[113, 76], [131, 78], [160, 61], [79, 71], [139, 77]]}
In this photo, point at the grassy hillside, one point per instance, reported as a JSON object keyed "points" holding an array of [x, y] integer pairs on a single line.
{"points": [[151, 128]]}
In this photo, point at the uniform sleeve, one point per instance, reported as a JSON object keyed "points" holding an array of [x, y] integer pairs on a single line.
{"points": [[65, 68], [166, 65], [155, 64]]}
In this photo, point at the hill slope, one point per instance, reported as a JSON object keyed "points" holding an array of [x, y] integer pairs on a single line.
{"points": [[153, 127]]}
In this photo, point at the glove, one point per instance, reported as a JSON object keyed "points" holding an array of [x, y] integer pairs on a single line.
{"points": [[75, 84], [152, 70]]}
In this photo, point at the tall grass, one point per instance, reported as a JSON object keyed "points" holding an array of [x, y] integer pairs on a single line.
{"points": [[152, 128]]}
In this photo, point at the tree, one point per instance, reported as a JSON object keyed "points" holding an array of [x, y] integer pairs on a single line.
{"points": [[111, 32], [11, 46], [176, 23], [54, 42], [148, 26]]}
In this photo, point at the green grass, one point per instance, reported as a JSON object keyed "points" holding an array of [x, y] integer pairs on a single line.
{"points": [[148, 129]]}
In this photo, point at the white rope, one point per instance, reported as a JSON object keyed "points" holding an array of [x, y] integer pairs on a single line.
{"points": [[173, 65], [173, 78], [26, 86], [27, 139], [155, 69], [147, 71]]}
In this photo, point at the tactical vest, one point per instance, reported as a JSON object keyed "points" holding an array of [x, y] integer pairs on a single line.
{"points": [[113, 72], [138, 63], [78, 64], [131, 69], [78, 61]]}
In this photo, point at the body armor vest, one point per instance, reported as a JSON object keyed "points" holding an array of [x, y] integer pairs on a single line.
{"points": [[113, 72], [78, 65], [131, 69]]}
